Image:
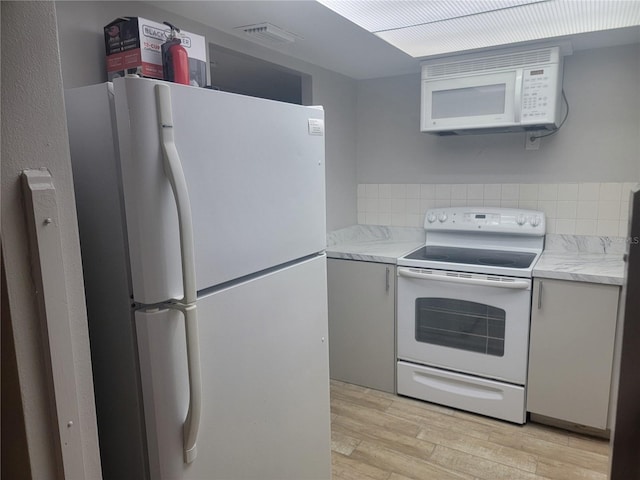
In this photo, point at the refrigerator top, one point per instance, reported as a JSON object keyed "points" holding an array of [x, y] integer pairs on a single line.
{"points": [[254, 169]]}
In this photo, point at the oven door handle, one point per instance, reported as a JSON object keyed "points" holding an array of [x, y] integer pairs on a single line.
{"points": [[500, 282]]}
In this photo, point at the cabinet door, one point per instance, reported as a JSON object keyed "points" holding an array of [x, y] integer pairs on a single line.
{"points": [[361, 323], [571, 354]]}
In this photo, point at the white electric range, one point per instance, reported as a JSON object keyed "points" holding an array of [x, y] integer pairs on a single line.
{"points": [[464, 307]]}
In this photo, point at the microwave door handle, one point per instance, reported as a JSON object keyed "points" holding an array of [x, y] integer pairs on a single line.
{"points": [[512, 283], [517, 94], [175, 173]]}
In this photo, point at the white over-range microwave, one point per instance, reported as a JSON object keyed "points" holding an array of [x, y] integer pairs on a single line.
{"points": [[504, 91]]}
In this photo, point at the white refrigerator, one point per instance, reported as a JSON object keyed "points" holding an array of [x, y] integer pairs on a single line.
{"points": [[202, 228]]}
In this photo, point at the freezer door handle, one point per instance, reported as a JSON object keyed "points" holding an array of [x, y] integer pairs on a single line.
{"points": [[173, 170]]}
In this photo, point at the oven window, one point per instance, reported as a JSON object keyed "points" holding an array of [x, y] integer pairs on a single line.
{"points": [[460, 324]]}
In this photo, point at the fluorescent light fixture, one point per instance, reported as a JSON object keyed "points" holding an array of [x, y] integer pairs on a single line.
{"points": [[425, 28]]}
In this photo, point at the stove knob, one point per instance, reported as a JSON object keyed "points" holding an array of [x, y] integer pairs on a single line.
{"points": [[442, 217], [431, 217], [535, 221], [521, 220]]}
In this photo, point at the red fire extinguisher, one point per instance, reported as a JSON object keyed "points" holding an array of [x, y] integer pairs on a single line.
{"points": [[175, 60]]}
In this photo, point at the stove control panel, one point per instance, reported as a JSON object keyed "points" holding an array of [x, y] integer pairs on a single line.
{"points": [[488, 219]]}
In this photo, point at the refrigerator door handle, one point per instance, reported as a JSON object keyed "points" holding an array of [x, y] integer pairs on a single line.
{"points": [[192, 422], [173, 170], [175, 173]]}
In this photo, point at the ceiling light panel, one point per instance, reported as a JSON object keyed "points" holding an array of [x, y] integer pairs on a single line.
{"points": [[444, 26], [377, 16], [522, 24]]}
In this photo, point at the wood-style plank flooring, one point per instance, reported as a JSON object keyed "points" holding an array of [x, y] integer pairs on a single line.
{"points": [[379, 436]]}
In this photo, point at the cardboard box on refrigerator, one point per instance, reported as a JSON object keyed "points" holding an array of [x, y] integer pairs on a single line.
{"points": [[133, 46]]}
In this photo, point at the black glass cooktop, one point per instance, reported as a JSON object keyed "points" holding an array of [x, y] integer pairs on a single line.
{"points": [[474, 256]]}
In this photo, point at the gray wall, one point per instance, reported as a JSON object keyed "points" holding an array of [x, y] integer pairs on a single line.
{"points": [[34, 135], [83, 63], [599, 142], [373, 125]]}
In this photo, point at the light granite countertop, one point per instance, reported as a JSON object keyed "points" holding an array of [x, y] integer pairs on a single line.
{"points": [[373, 243], [565, 257], [582, 259]]}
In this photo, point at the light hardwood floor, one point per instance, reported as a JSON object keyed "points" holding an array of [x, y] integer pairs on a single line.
{"points": [[379, 436]]}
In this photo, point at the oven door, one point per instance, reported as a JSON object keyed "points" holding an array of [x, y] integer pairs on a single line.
{"points": [[471, 323]]}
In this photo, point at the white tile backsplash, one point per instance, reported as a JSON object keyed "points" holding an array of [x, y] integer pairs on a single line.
{"points": [[492, 191], [384, 219], [608, 210], [414, 220], [443, 191], [568, 192], [508, 203], [608, 228], [623, 228], [626, 190], [371, 218], [549, 207], [587, 210], [385, 205], [475, 191], [528, 192], [589, 191], [610, 192], [398, 219], [398, 205], [586, 226], [426, 204], [459, 192], [528, 204], [413, 190], [398, 190], [570, 208], [371, 190], [510, 191], [372, 204], [567, 209], [566, 225], [624, 210], [385, 190], [427, 191], [548, 191], [413, 206]]}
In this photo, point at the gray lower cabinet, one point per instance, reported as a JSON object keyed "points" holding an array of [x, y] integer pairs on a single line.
{"points": [[573, 328], [361, 323]]}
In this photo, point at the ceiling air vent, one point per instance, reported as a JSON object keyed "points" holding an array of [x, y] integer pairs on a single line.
{"points": [[267, 33]]}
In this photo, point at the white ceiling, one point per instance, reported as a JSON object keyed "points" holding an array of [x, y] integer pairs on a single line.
{"points": [[329, 40]]}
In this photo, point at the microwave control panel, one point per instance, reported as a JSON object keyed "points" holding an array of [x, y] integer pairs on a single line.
{"points": [[539, 94]]}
